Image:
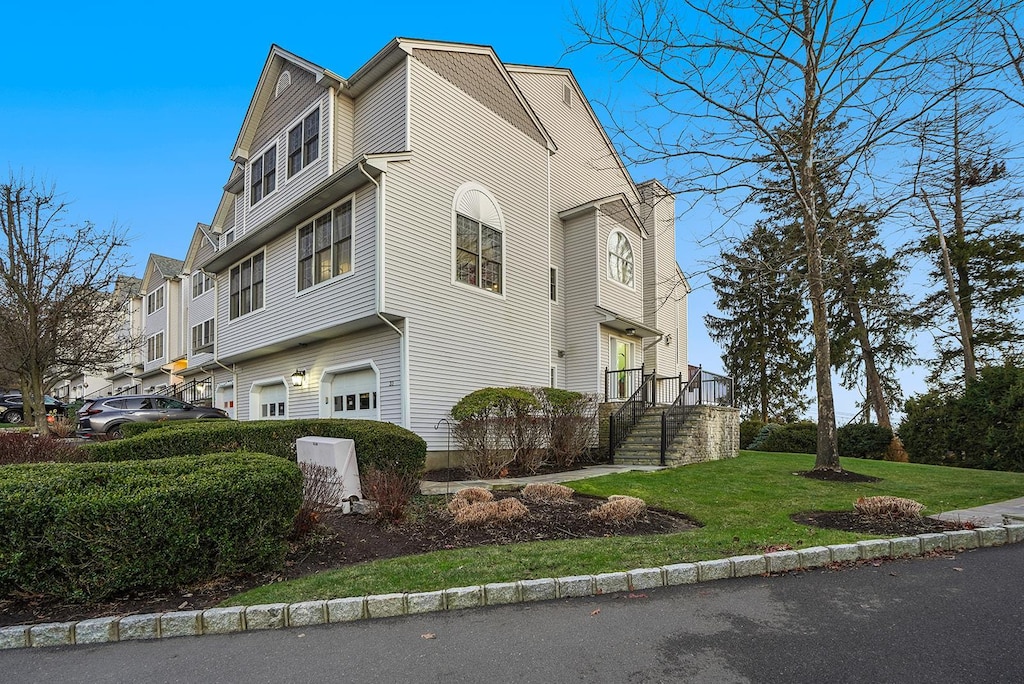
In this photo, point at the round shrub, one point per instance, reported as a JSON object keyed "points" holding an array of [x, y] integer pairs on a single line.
{"points": [[86, 531], [864, 440]]}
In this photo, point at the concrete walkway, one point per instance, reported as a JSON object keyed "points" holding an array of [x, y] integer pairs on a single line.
{"points": [[1003, 512], [428, 487]]}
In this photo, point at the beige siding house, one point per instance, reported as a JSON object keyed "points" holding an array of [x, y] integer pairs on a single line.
{"points": [[435, 223]]}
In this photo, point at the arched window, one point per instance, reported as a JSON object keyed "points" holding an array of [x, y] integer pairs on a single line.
{"points": [[479, 239], [620, 258]]}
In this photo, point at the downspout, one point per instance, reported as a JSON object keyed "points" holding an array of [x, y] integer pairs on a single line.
{"points": [[216, 349], [379, 298], [558, 271]]}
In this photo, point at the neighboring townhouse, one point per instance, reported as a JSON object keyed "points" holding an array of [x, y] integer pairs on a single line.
{"points": [[162, 340], [435, 223], [123, 376]]}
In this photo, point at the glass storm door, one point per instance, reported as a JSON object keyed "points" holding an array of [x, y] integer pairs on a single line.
{"points": [[622, 361]]}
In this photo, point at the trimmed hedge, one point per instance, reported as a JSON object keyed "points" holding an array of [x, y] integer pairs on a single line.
{"points": [[863, 440], [86, 531], [384, 446], [980, 427], [789, 438]]}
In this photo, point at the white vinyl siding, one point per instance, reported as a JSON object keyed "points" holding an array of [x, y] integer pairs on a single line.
{"points": [[584, 168], [450, 324], [331, 304], [584, 267], [379, 344], [379, 116], [281, 116], [624, 300]]}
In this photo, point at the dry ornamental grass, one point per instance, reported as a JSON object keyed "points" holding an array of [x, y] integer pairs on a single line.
{"points": [[888, 506], [620, 509], [482, 513], [545, 491]]}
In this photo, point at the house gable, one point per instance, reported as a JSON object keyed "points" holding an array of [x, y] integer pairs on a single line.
{"points": [[482, 77], [267, 91]]}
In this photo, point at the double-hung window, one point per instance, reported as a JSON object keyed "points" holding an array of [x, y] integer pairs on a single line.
{"points": [[155, 347], [478, 254], [325, 246], [155, 300], [201, 282], [246, 285], [263, 176], [202, 336], [304, 143]]}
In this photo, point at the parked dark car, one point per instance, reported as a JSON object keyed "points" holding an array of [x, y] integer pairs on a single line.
{"points": [[12, 410], [106, 415]]}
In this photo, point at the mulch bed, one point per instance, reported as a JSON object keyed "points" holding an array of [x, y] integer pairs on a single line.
{"points": [[850, 521], [348, 539], [837, 476], [513, 470]]}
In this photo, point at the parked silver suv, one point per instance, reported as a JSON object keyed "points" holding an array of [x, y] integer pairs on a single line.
{"points": [[106, 415]]}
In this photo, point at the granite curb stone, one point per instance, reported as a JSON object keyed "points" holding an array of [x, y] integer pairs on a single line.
{"points": [[279, 615], [782, 561]]}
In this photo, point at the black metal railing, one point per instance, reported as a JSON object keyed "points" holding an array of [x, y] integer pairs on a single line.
{"points": [[128, 389], [621, 384], [629, 414], [666, 389], [198, 392], [673, 417]]}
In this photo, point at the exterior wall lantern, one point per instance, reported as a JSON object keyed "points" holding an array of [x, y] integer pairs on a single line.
{"points": [[299, 378], [631, 332]]}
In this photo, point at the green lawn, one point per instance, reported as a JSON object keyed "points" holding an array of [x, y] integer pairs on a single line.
{"points": [[744, 504]]}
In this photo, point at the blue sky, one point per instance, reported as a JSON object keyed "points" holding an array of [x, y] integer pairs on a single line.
{"points": [[132, 108]]}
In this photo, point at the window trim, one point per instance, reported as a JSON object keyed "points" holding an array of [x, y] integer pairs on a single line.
{"points": [[155, 297], [351, 239], [476, 203], [232, 315], [609, 255], [205, 343], [155, 343], [299, 122], [261, 158], [207, 281]]}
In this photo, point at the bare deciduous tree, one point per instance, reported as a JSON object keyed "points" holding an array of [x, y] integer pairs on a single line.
{"points": [[736, 80], [58, 313]]}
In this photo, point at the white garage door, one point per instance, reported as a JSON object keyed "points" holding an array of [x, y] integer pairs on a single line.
{"points": [[354, 394], [271, 401]]}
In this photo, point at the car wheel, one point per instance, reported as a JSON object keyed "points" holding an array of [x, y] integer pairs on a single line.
{"points": [[115, 432], [13, 417]]}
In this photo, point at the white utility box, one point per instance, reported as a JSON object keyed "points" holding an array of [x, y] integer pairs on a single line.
{"points": [[336, 453]]}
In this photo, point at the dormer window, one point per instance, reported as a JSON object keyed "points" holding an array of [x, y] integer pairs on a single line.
{"points": [[304, 143], [263, 177], [620, 258]]}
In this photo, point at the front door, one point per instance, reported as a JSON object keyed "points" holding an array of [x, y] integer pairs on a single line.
{"points": [[622, 361]]}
